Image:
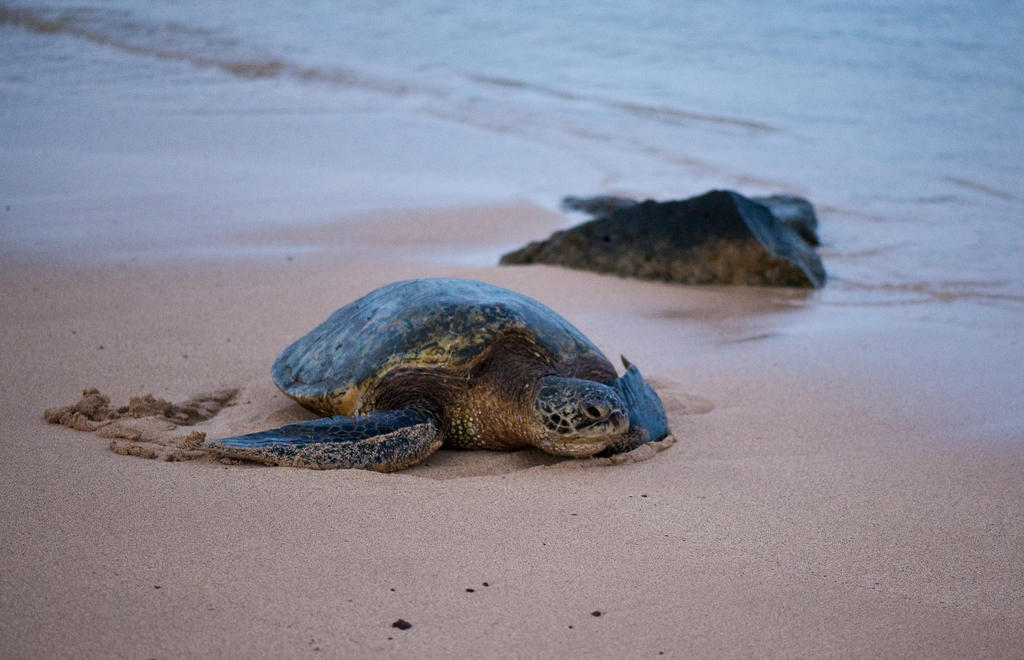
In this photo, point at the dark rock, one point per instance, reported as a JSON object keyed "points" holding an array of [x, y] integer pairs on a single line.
{"points": [[720, 237], [796, 212], [599, 206]]}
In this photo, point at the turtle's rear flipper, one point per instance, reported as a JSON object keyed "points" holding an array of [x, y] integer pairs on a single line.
{"points": [[645, 408], [385, 440]]}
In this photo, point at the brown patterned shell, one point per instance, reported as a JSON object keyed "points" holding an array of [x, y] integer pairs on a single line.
{"points": [[426, 323]]}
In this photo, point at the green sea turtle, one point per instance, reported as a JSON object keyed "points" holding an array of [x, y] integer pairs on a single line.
{"points": [[421, 363]]}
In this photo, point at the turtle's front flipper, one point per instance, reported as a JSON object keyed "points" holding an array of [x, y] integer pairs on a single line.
{"points": [[647, 421], [385, 441]]}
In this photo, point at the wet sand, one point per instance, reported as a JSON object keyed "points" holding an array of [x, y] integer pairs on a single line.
{"points": [[847, 479]]}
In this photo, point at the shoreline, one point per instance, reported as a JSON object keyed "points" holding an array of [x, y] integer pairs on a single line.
{"points": [[845, 480]]}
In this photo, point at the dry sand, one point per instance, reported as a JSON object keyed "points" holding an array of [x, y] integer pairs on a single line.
{"points": [[848, 479]]}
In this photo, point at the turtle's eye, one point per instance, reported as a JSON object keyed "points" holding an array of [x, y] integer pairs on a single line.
{"points": [[594, 411]]}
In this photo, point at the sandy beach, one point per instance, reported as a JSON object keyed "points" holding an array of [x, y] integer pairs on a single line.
{"points": [[847, 480]]}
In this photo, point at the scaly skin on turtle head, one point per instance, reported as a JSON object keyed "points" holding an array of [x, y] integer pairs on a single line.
{"points": [[577, 417]]}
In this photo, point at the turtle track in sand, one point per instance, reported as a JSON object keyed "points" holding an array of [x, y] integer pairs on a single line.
{"points": [[147, 427]]}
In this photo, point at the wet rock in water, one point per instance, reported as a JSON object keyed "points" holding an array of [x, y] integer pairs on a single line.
{"points": [[720, 237], [599, 206], [796, 212]]}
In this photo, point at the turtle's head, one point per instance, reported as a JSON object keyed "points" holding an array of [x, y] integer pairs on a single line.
{"points": [[578, 417]]}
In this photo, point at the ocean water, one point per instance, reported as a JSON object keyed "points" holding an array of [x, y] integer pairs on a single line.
{"points": [[903, 122]]}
